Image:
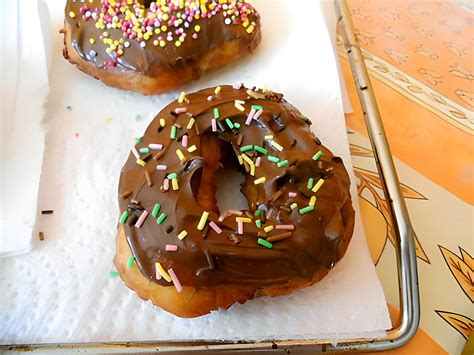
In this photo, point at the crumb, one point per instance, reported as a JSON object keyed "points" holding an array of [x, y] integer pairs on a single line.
{"points": [[68, 108], [47, 212], [41, 236], [76, 134]]}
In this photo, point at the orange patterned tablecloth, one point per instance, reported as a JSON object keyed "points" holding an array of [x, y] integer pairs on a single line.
{"points": [[420, 58]]}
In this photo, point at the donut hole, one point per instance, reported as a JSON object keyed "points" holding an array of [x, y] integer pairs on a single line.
{"points": [[228, 188]]}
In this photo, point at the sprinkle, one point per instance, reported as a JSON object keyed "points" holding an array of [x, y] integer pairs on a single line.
{"points": [[155, 146], [239, 158], [257, 114], [214, 125], [229, 123], [216, 113], [282, 164], [277, 237], [141, 219], [240, 227], [293, 206], [250, 29], [124, 217], [156, 210], [304, 118], [174, 132], [176, 282], [258, 223], [238, 105], [182, 97], [268, 136], [292, 194], [246, 148], [318, 185], [179, 110], [162, 218], [197, 28], [217, 90], [257, 162], [237, 213], [192, 148], [72, 14], [285, 226], [215, 227], [135, 152], [141, 162], [257, 108], [162, 272], [258, 213], [190, 123], [312, 201], [174, 183], [180, 154], [144, 150], [260, 180], [243, 219], [114, 274], [130, 261], [318, 155], [171, 247], [209, 98], [276, 145], [306, 209], [138, 140], [273, 159], [182, 235], [91, 40], [166, 185], [162, 122], [260, 149], [172, 176], [250, 162], [237, 125], [161, 167], [203, 220], [310, 183], [250, 117], [184, 141], [268, 229], [264, 243]]}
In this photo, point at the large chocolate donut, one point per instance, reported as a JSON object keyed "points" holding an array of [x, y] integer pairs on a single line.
{"points": [[153, 47], [298, 225]]}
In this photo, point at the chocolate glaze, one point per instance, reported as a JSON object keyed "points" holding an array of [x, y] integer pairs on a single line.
{"points": [[149, 60], [230, 258]]}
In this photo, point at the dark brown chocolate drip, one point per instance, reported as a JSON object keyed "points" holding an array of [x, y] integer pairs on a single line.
{"points": [[230, 258], [149, 59]]}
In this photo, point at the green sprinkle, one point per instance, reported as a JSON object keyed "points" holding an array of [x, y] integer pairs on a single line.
{"points": [[304, 118], [264, 243], [172, 176], [318, 155], [256, 107], [162, 218], [282, 164], [273, 159], [258, 223], [306, 209], [260, 149], [130, 261], [156, 210], [114, 274], [138, 140], [237, 125], [246, 148], [144, 150], [258, 213], [124, 217], [174, 132], [229, 123], [310, 183], [216, 113]]}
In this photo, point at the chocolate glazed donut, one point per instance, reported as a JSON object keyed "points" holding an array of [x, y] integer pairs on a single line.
{"points": [[155, 46], [176, 248]]}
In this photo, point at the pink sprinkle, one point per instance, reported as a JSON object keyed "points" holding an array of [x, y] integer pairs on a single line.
{"points": [[161, 167], [176, 282], [141, 219], [285, 226], [214, 125], [171, 247], [166, 184], [158, 275], [181, 110], [292, 194], [257, 162], [135, 152], [215, 227], [237, 213], [240, 227], [237, 86], [250, 117], [155, 146], [184, 141], [258, 114], [209, 98]]}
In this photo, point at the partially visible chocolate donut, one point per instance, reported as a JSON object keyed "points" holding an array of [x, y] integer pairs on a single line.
{"points": [[174, 245], [155, 46]]}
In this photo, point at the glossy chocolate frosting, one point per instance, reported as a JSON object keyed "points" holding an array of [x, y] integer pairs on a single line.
{"points": [[206, 258], [147, 37]]}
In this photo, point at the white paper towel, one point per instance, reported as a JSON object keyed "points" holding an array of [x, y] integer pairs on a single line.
{"points": [[62, 291]]}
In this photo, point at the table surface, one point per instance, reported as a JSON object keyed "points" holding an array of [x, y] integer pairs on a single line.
{"points": [[420, 61]]}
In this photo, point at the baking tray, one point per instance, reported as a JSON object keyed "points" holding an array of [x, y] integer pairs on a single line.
{"points": [[407, 324]]}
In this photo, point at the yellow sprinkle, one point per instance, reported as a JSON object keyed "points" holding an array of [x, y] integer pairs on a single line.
{"points": [[177, 43], [243, 219], [260, 180], [191, 123], [197, 28], [182, 97], [180, 154], [250, 162], [182, 235], [239, 107], [141, 162], [163, 28], [312, 200], [293, 206], [268, 229], [174, 183], [250, 29], [318, 185], [72, 14], [252, 170], [156, 42], [192, 148], [162, 43], [91, 40], [276, 145], [162, 272], [162, 122], [217, 90], [203, 220], [268, 136], [239, 157]]}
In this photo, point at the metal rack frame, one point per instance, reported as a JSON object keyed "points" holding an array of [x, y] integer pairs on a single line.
{"points": [[409, 318]]}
